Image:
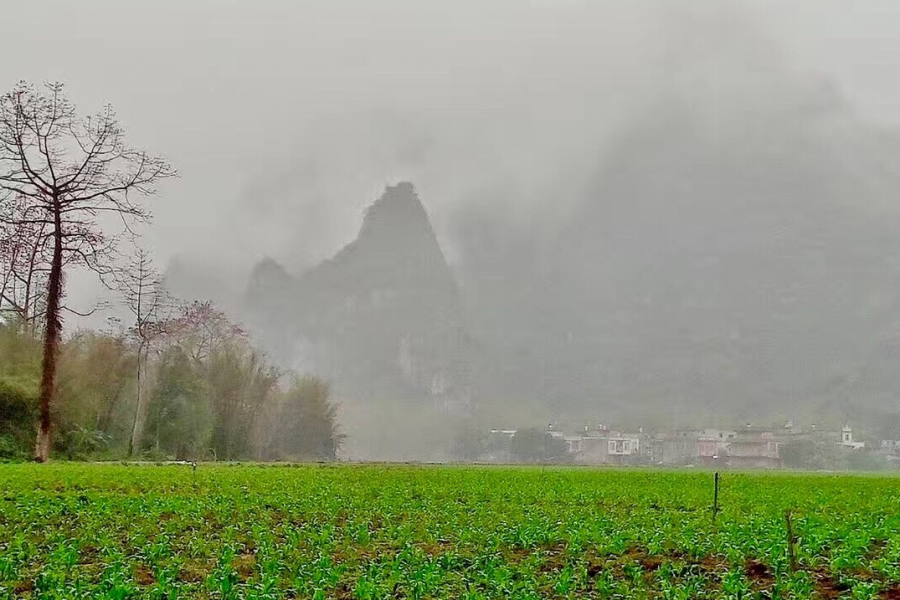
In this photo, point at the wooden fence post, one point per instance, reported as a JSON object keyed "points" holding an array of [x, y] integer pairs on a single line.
{"points": [[791, 541], [716, 497]]}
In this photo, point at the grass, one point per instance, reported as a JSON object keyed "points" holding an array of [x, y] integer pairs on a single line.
{"points": [[350, 531]]}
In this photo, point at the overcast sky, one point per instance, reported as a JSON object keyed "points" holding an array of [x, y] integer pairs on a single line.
{"points": [[286, 119]]}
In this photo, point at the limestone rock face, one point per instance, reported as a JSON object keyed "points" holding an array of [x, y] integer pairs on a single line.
{"points": [[381, 320]]}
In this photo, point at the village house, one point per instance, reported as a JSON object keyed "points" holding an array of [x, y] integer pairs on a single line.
{"points": [[748, 447], [754, 452], [573, 442], [890, 449], [498, 445], [713, 444], [751, 447], [594, 448], [600, 445], [755, 447], [847, 439], [677, 448], [623, 448]]}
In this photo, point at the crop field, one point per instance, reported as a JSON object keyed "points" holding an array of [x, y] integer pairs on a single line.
{"points": [[350, 531]]}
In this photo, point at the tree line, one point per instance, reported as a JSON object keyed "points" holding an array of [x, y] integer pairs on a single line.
{"points": [[177, 379]]}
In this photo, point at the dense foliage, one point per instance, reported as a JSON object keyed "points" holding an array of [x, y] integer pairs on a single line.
{"points": [[20, 357], [207, 398], [537, 446], [86, 531]]}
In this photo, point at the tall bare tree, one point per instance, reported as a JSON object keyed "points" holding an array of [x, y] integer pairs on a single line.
{"points": [[151, 306], [70, 172]]}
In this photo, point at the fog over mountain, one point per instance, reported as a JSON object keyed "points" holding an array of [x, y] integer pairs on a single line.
{"points": [[647, 213], [729, 256], [709, 269], [382, 318], [734, 252]]}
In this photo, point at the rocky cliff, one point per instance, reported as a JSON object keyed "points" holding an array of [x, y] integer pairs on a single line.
{"points": [[382, 319]]}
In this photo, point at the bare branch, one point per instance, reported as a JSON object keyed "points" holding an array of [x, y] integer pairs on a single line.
{"points": [[88, 313]]}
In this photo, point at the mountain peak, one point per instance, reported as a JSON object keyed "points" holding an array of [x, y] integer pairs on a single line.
{"points": [[397, 212], [381, 319]]}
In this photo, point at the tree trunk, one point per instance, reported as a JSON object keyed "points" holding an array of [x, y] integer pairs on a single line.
{"points": [[52, 329], [137, 429]]}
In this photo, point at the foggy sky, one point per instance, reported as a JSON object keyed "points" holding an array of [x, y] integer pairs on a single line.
{"points": [[287, 119]]}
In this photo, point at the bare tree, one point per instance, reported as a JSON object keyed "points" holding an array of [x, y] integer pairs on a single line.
{"points": [[26, 248], [151, 306], [70, 172], [201, 329], [24, 264]]}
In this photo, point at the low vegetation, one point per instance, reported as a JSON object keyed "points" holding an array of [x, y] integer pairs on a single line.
{"points": [[208, 394], [336, 531]]}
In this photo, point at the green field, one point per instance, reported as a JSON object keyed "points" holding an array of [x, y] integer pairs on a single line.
{"points": [[116, 531]]}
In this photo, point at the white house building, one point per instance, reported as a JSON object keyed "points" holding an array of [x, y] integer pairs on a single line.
{"points": [[847, 439]]}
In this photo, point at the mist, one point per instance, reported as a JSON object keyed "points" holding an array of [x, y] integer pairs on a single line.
{"points": [[310, 110], [651, 214]]}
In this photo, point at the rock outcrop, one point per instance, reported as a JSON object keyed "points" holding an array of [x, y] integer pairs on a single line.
{"points": [[381, 320]]}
